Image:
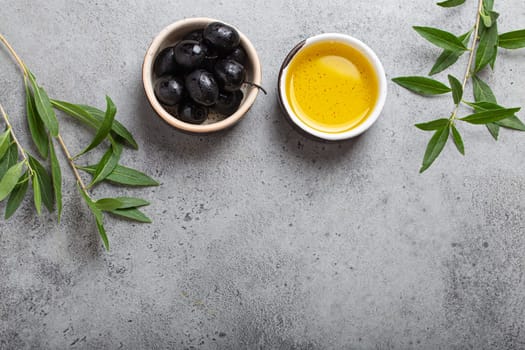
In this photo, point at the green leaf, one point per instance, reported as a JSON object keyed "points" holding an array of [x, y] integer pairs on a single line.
{"points": [[5, 142], [493, 129], [132, 214], [488, 4], [488, 45], [512, 123], [485, 17], [36, 126], [105, 127], [102, 232], [17, 195], [56, 176], [43, 107], [37, 193], [10, 158], [45, 183], [99, 217], [422, 85], [108, 163], [10, 179], [441, 38], [125, 176], [433, 125], [93, 117], [512, 40], [457, 89], [448, 58], [451, 3], [108, 204], [483, 106], [482, 91], [458, 140], [490, 116], [434, 147]]}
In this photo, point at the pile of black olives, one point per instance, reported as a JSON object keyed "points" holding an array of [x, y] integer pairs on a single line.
{"points": [[204, 70]]}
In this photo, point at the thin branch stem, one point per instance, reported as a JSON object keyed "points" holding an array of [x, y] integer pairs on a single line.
{"points": [[18, 145], [14, 54], [72, 165], [471, 57]]}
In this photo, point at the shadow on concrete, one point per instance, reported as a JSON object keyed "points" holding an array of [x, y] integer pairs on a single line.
{"points": [[307, 148]]}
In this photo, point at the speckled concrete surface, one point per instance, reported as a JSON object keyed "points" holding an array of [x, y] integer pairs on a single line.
{"points": [[263, 239]]}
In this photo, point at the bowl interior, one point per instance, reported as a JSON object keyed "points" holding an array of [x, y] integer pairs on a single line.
{"points": [[169, 36], [372, 58]]}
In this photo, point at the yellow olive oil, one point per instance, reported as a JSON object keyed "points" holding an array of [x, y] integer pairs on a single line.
{"points": [[331, 86]]}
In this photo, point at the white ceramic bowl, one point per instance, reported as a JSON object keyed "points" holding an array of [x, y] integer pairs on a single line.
{"points": [[172, 34], [378, 69]]}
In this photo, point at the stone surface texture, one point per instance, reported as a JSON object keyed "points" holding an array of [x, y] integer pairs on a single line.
{"points": [[263, 239]]}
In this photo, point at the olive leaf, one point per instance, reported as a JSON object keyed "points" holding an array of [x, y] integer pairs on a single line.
{"points": [[512, 122], [17, 195], [488, 44], [512, 40], [108, 204], [10, 179], [422, 85], [9, 159], [108, 163], [457, 89], [482, 92], [124, 176], [434, 147], [104, 128], [458, 141], [488, 4], [94, 118], [36, 126], [56, 176], [43, 106], [433, 125], [441, 38], [99, 217], [37, 193], [448, 57], [490, 116], [131, 214], [45, 183], [5, 141], [451, 3]]}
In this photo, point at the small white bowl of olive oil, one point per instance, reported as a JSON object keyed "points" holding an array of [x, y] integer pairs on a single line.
{"points": [[332, 86]]}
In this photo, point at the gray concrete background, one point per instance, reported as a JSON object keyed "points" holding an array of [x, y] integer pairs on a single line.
{"points": [[261, 238]]}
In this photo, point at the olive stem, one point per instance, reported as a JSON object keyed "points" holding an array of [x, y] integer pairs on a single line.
{"points": [[72, 165], [472, 50], [257, 86], [14, 54]]}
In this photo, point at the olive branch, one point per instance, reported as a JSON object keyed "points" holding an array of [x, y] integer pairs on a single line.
{"points": [[44, 130], [483, 51]]}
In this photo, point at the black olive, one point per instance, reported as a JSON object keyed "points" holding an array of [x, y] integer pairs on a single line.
{"points": [[189, 54], [228, 102], [169, 90], [192, 112], [202, 87], [165, 62], [194, 35], [221, 36], [238, 54], [230, 74]]}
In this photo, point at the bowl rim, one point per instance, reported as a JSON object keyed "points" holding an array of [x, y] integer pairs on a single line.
{"points": [[147, 74], [362, 48]]}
